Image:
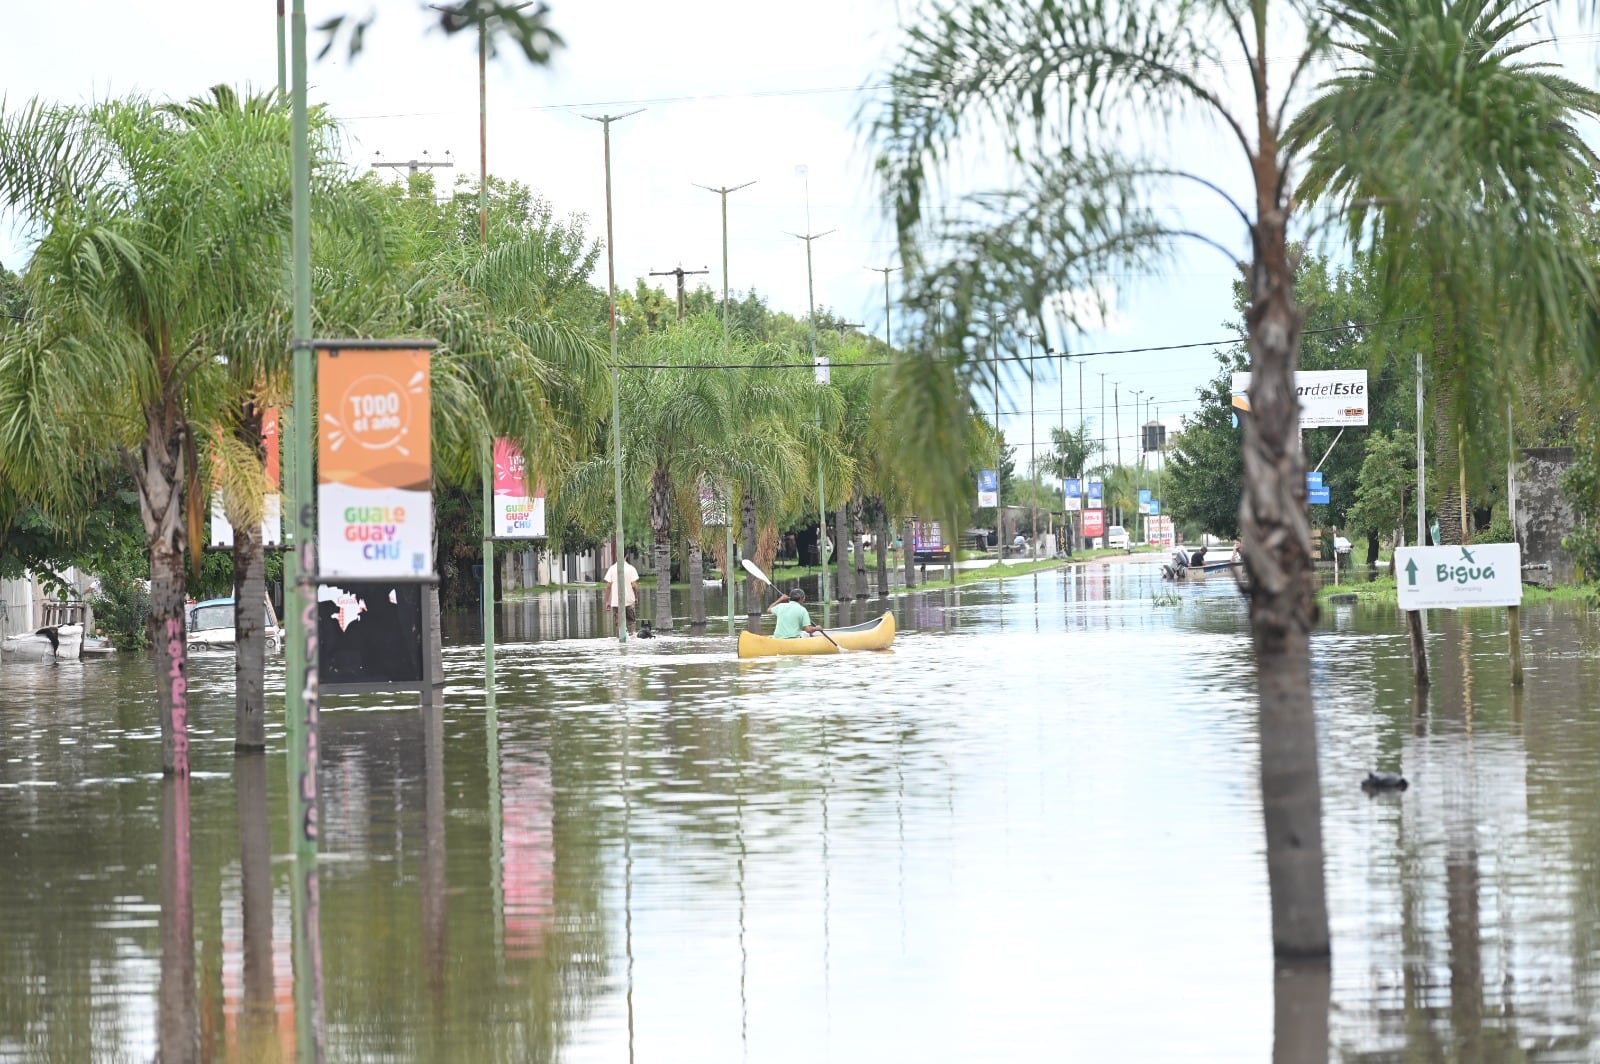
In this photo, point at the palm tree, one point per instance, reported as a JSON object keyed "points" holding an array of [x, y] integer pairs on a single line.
{"points": [[152, 231], [1446, 150], [1053, 80]]}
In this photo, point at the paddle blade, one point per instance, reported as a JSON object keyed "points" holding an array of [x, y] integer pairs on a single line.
{"points": [[754, 570]]}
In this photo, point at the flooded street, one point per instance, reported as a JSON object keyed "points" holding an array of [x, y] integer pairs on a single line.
{"points": [[1031, 831]]}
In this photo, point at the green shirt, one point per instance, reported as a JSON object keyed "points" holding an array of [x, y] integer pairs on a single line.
{"points": [[792, 620]]}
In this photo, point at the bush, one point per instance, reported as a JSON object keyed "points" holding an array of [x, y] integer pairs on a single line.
{"points": [[122, 612], [1498, 531]]}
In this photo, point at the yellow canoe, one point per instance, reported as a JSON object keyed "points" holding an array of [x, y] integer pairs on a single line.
{"points": [[874, 635]]}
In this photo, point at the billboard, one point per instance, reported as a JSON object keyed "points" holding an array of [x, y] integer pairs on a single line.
{"points": [[988, 489], [271, 502], [374, 461], [1327, 396], [1094, 523], [517, 514], [1450, 578]]}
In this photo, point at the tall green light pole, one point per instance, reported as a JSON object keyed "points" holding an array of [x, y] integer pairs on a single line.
{"points": [[727, 348], [822, 378], [616, 378]]}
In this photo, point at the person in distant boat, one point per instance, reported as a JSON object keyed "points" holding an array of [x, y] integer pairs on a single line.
{"points": [[622, 599], [792, 616]]}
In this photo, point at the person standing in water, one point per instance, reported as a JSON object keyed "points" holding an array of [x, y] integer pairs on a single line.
{"points": [[622, 599], [792, 616]]}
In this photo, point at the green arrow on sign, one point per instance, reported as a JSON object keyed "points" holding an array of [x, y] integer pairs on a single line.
{"points": [[1411, 572]]}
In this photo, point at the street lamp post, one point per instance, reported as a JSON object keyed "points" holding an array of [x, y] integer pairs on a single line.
{"points": [[621, 584], [727, 347]]}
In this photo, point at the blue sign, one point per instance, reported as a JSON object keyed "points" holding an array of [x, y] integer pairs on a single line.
{"points": [[1320, 496], [1094, 494], [1314, 479], [1073, 487], [1144, 496], [1155, 507], [987, 481]]}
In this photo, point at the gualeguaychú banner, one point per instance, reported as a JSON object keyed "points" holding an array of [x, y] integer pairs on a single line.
{"points": [[517, 514], [374, 460], [1327, 396], [1072, 488]]}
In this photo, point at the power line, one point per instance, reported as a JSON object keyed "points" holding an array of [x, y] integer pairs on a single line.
{"points": [[1047, 356]]}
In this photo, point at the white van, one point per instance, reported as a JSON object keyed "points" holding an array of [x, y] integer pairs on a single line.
{"points": [[1117, 538]]}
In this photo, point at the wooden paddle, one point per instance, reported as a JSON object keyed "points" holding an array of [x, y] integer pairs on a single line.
{"points": [[754, 570]]}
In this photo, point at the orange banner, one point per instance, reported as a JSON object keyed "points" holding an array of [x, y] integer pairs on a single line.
{"points": [[374, 463]]}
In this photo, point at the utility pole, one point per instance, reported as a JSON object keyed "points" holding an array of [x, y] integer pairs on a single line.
{"points": [[999, 441], [680, 273], [616, 381], [821, 378], [413, 165], [1116, 412], [1033, 458], [727, 356], [886, 271]]}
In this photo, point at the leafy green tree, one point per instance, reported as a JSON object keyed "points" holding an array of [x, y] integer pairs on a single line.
{"points": [[1204, 469], [1388, 480], [1457, 159], [152, 229]]}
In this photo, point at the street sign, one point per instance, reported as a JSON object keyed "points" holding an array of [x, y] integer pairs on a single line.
{"points": [[1094, 523], [1314, 479], [1155, 507], [1319, 496], [1449, 578]]}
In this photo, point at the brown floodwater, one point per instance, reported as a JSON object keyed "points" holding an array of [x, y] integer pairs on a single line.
{"points": [[1030, 832]]}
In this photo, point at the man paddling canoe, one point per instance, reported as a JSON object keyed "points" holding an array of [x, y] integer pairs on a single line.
{"points": [[792, 616]]}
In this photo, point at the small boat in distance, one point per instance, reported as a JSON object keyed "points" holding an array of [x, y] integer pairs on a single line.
{"points": [[873, 635], [1187, 560]]}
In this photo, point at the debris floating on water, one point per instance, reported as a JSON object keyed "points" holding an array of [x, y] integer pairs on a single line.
{"points": [[1384, 781]]}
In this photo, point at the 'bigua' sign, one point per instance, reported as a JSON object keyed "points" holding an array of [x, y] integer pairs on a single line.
{"points": [[1327, 397], [1450, 578]]}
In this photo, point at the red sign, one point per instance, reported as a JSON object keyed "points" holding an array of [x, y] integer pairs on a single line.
{"points": [[1094, 523]]}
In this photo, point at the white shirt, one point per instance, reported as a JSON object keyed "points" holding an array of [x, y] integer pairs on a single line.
{"points": [[630, 577]]}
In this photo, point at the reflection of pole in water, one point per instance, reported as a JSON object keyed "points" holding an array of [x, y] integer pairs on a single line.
{"points": [[180, 1020], [491, 745], [308, 1028], [258, 1019], [740, 750], [627, 868], [827, 897], [435, 919]]}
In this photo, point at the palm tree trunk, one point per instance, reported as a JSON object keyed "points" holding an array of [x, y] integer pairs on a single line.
{"points": [[859, 549], [160, 478], [1278, 560], [694, 565], [661, 558], [249, 638], [880, 533], [841, 550], [747, 521], [909, 556]]}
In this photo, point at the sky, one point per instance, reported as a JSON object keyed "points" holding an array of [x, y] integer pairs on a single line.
{"points": [[728, 91]]}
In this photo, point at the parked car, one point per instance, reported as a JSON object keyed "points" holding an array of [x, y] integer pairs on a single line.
{"points": [[211, 625], [1117, 537]]}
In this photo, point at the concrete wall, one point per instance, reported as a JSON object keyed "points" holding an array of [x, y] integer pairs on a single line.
{"points": [[1543, 515]]}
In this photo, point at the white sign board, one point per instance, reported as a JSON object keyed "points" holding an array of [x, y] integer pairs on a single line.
{"points": [[1327, 396], [271, 521], [1452, 578]]}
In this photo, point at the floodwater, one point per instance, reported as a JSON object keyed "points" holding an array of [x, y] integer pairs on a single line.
{"points": [[1030, 832]]}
